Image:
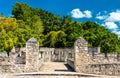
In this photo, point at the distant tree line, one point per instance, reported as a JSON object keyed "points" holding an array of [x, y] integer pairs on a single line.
{"points": [[52, 30]]}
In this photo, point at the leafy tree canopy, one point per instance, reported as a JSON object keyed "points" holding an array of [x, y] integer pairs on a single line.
{"points": [[52, 30]]}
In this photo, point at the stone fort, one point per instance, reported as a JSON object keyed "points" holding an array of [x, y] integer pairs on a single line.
{"points": [[81, 58]]}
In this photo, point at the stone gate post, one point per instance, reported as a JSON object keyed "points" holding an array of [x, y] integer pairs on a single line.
{"points": [[32, 50], [81, 58]]}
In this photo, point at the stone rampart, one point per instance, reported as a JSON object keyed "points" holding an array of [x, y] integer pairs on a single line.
{"points": [[84, 63], [80, 58], [103, 69]]}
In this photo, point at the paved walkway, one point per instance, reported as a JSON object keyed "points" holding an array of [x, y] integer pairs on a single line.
{"points": [[55, 67]]}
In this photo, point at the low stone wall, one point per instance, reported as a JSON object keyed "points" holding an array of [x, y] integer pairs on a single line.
{"points": [[94, 50], [100, 59], [70, 62], [56, 54], [12, 68], [103, 69], [18, 68], [84, 63]]}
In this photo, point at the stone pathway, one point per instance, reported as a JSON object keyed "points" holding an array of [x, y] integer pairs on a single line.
{"points": [[55, 67]]}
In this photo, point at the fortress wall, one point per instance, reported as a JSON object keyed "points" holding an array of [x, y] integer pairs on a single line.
{"points": [[83, 63]]}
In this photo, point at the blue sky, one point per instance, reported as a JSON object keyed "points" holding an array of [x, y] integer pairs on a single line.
{"points": [[104, 12]]}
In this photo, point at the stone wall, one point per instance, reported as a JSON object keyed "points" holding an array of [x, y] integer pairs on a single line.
{"points": [[93, 50], [55, 54], [84, 63], [22, 60], [32, 51], [3, 57], [103, 69], [81, 58], [9, 64], [62, 54], [100, 58], [46, 54], [69, 53], [70, 62]]}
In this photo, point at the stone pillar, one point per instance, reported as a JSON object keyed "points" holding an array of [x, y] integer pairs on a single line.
{"points": [[81, 57], [32, 50]]}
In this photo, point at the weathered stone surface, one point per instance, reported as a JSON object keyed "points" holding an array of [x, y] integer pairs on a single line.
{"points": [[70, 62], [85, 64], [56, 54], [81, 58], [104, 69], [31, 58], [32, 50]]}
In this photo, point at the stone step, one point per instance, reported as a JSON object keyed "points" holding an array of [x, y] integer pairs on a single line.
{"points": [[56, 74]]}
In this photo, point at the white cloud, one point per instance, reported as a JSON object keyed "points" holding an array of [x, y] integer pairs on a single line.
{"points": [[101, 17], [110, 20], [110, 25], [114, 16], [88, 14], [116, 32], [110, 17], [76, 13]]}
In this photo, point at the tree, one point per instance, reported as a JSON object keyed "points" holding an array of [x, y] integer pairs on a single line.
{"points": [[22, 11], [8, 40], [30, 24], [55, 31], [9, 24], [53, 39]]}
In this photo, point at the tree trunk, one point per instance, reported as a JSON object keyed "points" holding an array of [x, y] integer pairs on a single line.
{"points": [[106, 56], [118, 56]]}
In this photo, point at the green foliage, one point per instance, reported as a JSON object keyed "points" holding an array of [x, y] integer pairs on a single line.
{"points": [[55, 39], [52, 30], [16, 31], [30, 24], [22, 11], [7, 38]]}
